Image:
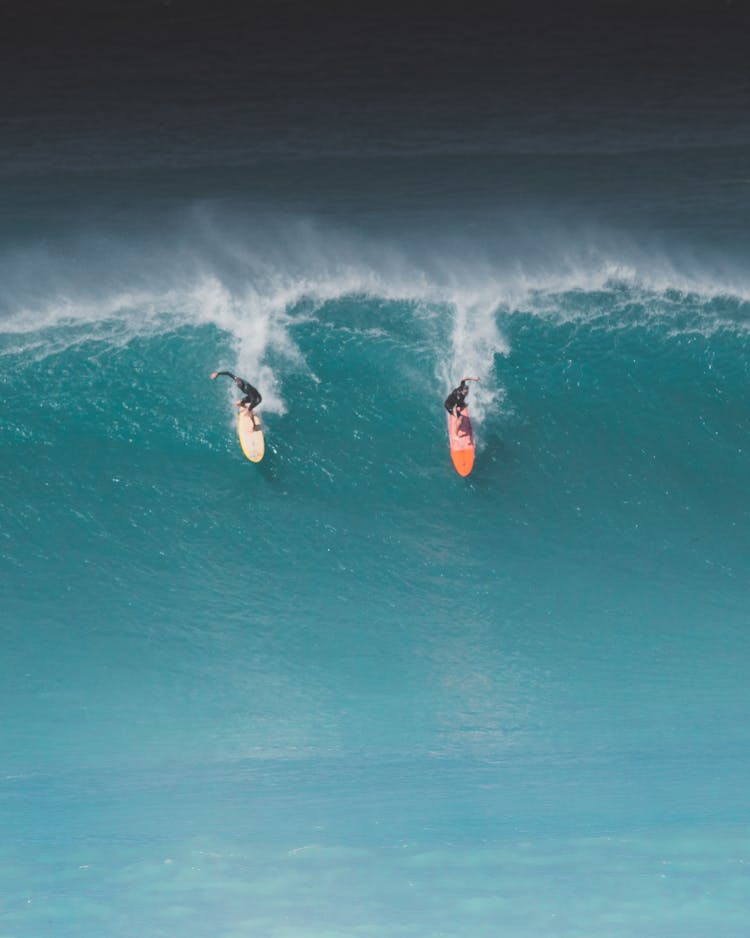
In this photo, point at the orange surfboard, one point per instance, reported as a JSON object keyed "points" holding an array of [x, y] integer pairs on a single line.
{"points": [[461, 437]]}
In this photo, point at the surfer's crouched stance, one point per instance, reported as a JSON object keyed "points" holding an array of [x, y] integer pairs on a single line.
{"points": [[252, 395], [455, 403]]}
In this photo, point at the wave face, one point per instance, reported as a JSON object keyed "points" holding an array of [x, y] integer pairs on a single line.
{"points": [[348, 650]]}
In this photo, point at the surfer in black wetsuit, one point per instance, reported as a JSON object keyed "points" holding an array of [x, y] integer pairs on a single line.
{"points": [[252, 395], [455, 403]]}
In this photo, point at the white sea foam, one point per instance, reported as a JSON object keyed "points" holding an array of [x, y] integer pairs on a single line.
{"points": [[253, 285]]}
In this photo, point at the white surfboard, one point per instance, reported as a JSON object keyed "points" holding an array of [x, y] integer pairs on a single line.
{"points": [[251, 437]]}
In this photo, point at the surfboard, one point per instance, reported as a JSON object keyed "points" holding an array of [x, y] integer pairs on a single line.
{"points": [[251, 438], [461, 437]]}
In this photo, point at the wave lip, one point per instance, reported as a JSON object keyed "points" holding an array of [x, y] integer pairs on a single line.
{"points": [[262, 286]]}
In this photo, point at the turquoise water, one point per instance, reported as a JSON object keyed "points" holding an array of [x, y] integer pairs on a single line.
{"points": [[346, 692]]}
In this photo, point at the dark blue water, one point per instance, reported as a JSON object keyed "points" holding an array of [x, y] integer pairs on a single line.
{"points": [[345, 692]]}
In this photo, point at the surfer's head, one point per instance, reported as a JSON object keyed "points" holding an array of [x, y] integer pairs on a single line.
{"points": [[238, 382]]}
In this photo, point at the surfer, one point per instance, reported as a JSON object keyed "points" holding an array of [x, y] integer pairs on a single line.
{"points": [[455, 403], [252, 395]]}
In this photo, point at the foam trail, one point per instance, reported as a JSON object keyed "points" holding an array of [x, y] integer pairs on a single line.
{"points": [[474, 343]]}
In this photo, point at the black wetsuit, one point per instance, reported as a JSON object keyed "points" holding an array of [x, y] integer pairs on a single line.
{"points": [[456, 400], [252, 395]]}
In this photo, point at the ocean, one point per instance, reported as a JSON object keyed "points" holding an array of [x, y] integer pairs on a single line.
{"points": [[345, 692]]}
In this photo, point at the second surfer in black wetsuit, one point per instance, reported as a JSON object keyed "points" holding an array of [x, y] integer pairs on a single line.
{"points": [[252, 395], [455, 403]]}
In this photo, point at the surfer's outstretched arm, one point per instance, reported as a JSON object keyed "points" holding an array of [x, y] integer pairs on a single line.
{"points": [[227, 373], [469, 379]]}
